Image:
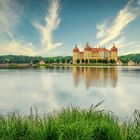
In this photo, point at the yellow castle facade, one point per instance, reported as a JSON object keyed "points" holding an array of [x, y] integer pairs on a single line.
{"points": [[91, 53]]}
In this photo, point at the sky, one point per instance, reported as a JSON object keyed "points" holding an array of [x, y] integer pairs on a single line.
{"points": [[54, 27]]}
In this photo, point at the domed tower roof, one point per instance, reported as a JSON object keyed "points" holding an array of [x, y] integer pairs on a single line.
{"points": [[87, 48], [114, 49], [76, 49]]}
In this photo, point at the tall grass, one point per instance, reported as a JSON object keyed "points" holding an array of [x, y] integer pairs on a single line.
{"points": [[71, 123]]}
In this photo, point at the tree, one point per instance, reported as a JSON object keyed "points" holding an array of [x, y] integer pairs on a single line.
{"points": [[34, 61], [51, 60], [68, 61], [99, 61], [112, 61], [90, 61], [46, 60], [83, 60], [86, 61], [63, 60], [94, 61], [105, 61], [57, 60], [126, 58], [77, 61]]}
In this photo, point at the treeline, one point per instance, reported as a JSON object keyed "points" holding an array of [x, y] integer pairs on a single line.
{"points": [[20, 59], [33, 60], [104, 61], [59, 59], [133, 57]]}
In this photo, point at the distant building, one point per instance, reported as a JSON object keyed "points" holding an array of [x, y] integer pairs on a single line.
{"points": [[131, 63], [42, 62], [119, 63], [90, 53]]}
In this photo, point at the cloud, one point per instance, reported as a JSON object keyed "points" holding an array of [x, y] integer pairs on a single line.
{"points": [[123, 42], [8, 15], [9, 19], [52, 22], [16, 47], [101, 28], [133, 51], [125, 16]]}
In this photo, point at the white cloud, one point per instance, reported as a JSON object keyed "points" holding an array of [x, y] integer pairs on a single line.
{"points": [[9, 19], [52, 23], [125, 16], [101, 28], [8, 15], [123, 42], [133, 51], [139, 2], [17, 48]]}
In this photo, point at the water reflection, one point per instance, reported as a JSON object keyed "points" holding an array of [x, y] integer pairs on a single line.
{"points": [[97, 76], [53, 88], [131, 69]]}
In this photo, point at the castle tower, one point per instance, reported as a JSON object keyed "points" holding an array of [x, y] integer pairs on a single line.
{"points": [[114, 53], [87, 52], [75, 54]]}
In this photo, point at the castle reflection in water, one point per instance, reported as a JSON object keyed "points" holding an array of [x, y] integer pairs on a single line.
{"points": [[95, 76]]}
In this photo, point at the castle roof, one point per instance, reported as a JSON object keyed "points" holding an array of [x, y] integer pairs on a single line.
{"points": [[114, 49], [103, 50], [95, 50], [76, 49], [87, 48]]}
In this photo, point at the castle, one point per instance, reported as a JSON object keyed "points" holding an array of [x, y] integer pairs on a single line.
{"points": [[91, 53]]}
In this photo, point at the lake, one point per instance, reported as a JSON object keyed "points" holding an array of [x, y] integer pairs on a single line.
{"points": [[52, 88]]}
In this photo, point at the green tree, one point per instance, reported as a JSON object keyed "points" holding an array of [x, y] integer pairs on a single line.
{"points": [[35, 61], [46, 60], [126, 58], [63, 60], [51, 60], [83, 61], [57, 60], [86, 61], [77, 61], [68, 61], [90, 61], [105, 61], [94, 61], [99, 61], [112, 61]]}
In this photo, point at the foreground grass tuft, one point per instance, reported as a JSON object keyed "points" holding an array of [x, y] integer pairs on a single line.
{"points": [[69, 124]]}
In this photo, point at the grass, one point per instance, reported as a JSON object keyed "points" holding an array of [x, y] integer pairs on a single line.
{"points": [[69, 124]]}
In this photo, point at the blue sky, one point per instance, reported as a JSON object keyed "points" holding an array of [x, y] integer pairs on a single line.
{"points": [[53, 27]]}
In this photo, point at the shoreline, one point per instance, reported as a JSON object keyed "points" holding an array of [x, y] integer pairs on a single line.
{"points": [[8, 66]]}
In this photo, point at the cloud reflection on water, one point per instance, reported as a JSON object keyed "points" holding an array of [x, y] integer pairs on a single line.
{"points": [[49, 89]]}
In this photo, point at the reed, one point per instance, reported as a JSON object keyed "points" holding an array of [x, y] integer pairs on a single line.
{"points": [[71, 123]]}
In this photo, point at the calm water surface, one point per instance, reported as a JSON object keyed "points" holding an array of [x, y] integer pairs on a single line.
{"points": [[53, 88]]}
